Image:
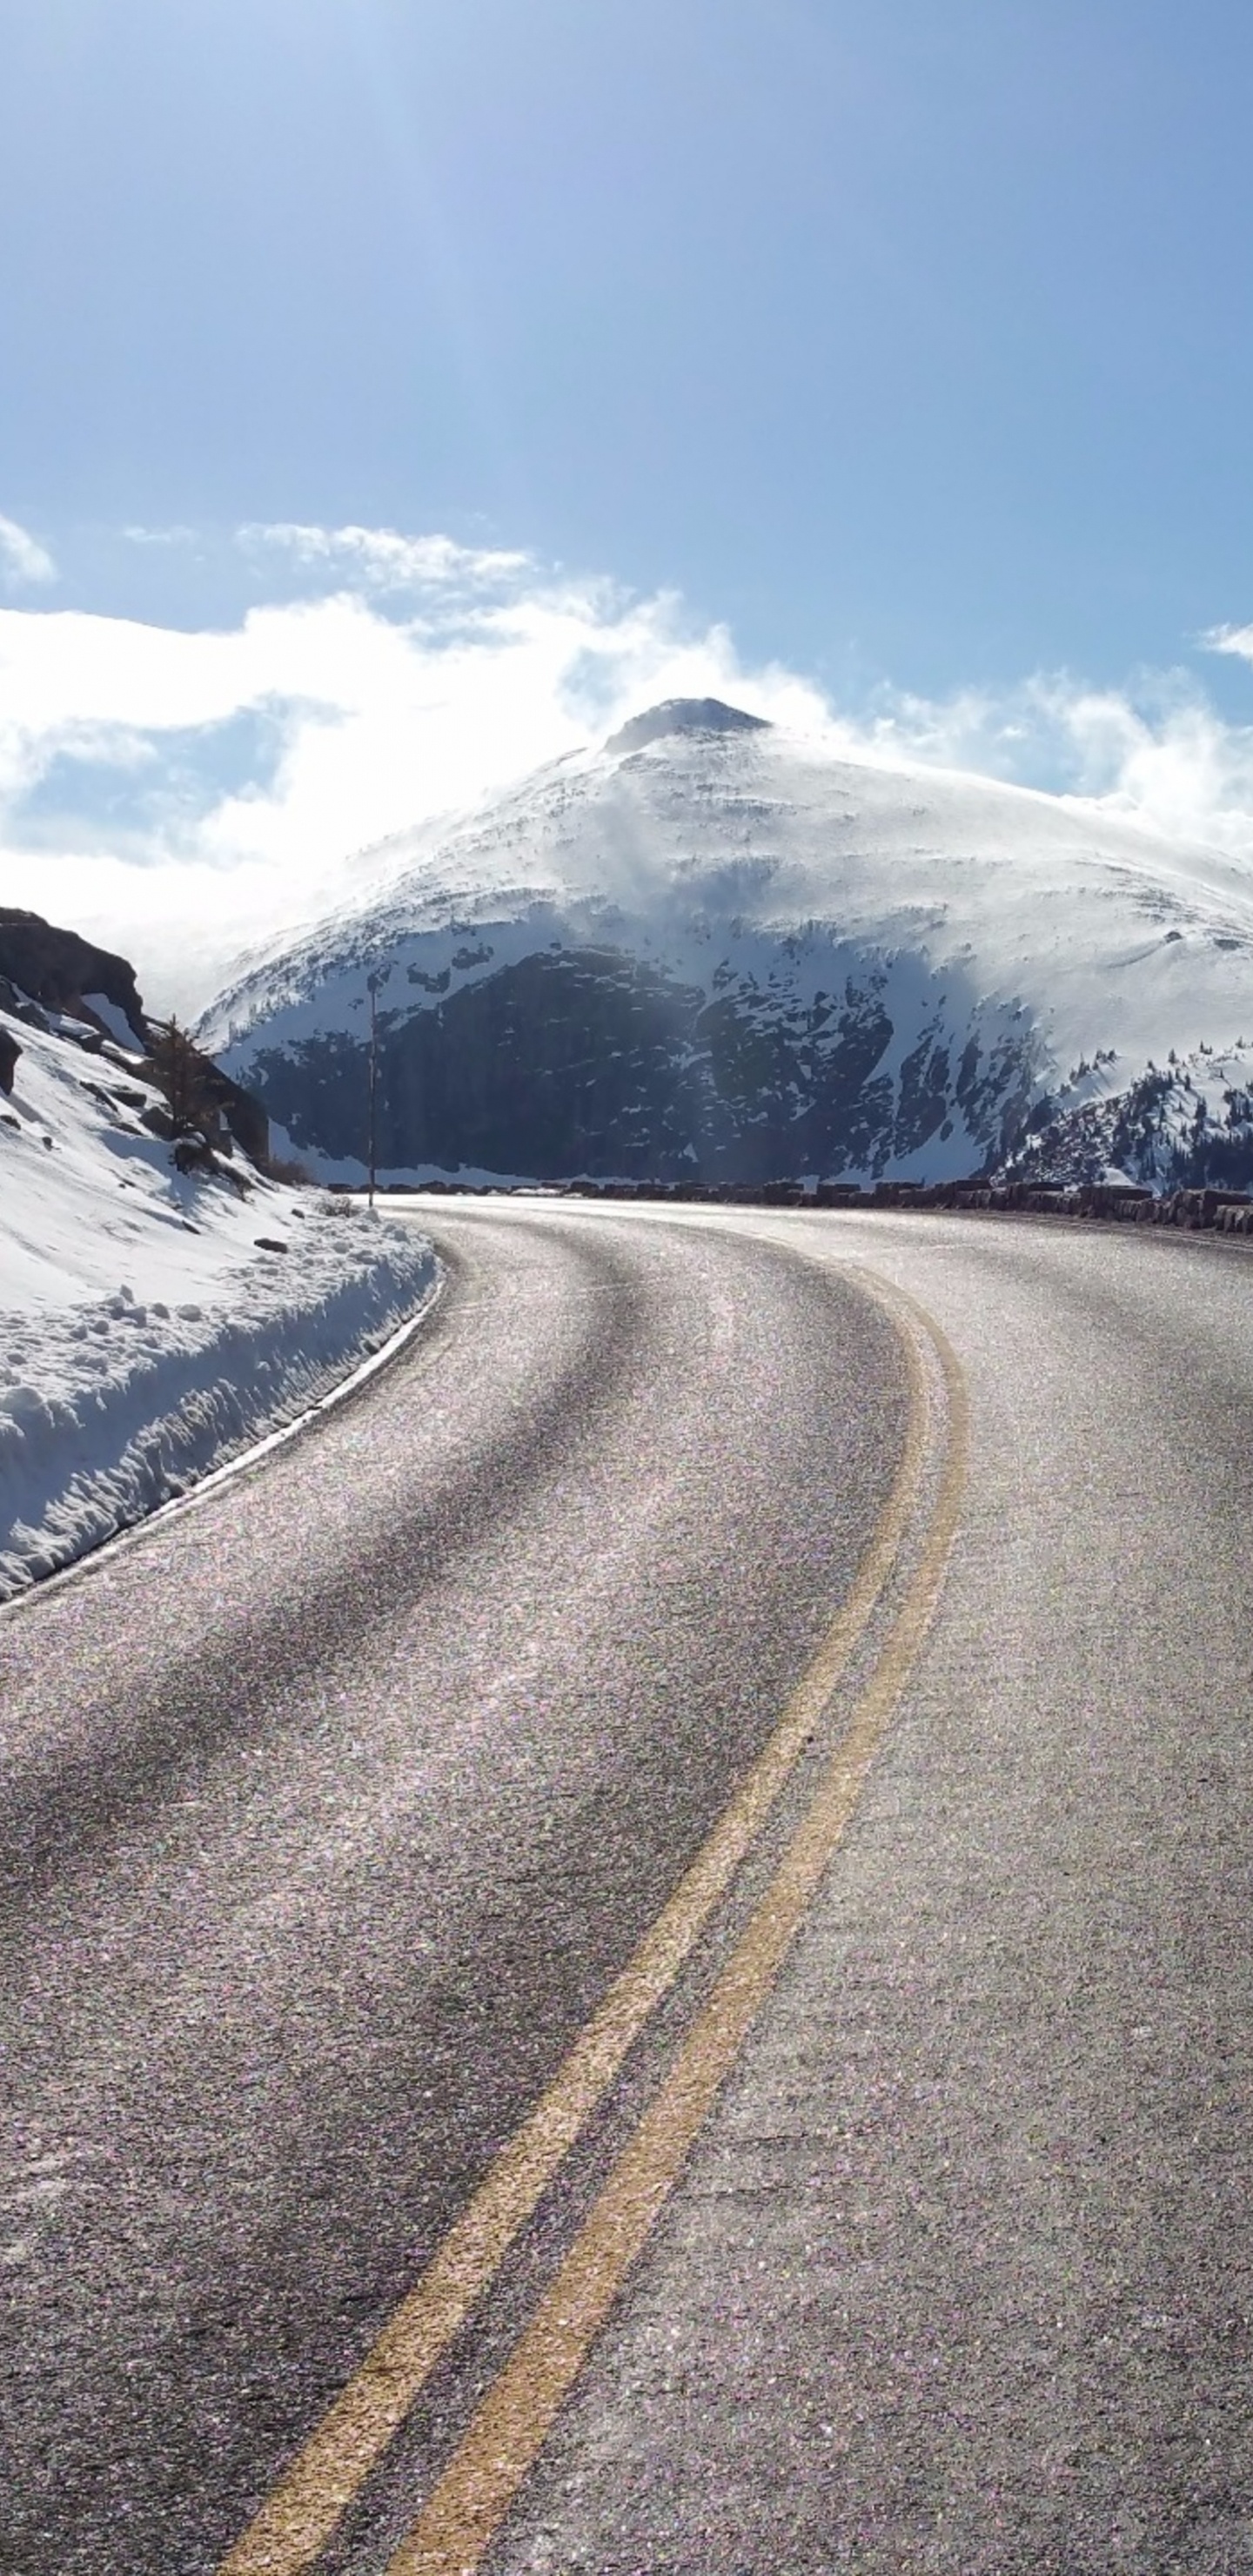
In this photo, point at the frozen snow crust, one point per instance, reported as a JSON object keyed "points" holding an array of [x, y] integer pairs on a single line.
{"points": [[146, 1337]]}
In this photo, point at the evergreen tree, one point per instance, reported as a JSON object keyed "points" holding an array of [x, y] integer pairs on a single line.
{"points": [[184, 1075]]}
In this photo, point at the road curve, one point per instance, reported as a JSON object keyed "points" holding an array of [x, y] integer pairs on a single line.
{"points": [[335, 1810], [333, 1807]]}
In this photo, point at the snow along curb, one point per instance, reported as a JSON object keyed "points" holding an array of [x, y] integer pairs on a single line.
{"points": [[119, 1407]]}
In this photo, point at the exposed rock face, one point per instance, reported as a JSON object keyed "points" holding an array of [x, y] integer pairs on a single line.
{"points": [[683, 715], [59, 970], [595, 1060], [9, 1053], [241, 1113]]}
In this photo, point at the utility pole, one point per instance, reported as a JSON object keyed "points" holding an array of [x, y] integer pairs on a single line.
{"points": [[373, 982], [375, 977]]}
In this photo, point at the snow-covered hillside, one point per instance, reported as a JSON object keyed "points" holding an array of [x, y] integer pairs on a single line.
{"points": [[713, 949], [146, 1331], [1185, 1124]]}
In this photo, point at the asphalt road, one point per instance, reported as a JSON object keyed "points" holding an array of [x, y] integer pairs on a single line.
{"points": [[336, 1807]]}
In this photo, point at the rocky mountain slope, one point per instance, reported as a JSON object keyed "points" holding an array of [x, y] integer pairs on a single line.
{"points": [[1186, 1124], [51, 979], [714, 950]]}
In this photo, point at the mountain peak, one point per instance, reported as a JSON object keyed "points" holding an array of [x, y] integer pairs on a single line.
{"points": [[684, 715], [723, 958]]}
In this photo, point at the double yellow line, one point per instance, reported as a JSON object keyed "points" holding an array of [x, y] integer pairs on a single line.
{"points": [[513, 2420]]}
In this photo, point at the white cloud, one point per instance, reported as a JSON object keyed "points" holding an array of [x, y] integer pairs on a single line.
{"points": [[174, 536], [382, 558], [1164, 757], [180, 793], [22, 558], [1230, 639], [373, 720]]}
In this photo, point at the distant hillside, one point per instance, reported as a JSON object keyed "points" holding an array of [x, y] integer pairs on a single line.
{"points": [[715, 950], [1185, 1124]]}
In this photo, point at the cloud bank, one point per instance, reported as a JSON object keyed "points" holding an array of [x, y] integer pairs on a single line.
{"points": [[180, 793]]}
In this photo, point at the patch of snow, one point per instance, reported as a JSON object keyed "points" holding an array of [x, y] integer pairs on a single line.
{"points": [[112, 1020]]}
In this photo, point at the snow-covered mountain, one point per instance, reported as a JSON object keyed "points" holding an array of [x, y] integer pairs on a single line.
{"points": [[715, 950]]}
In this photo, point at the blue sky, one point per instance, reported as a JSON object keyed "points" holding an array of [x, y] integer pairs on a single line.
{"points": [[909, 347]]}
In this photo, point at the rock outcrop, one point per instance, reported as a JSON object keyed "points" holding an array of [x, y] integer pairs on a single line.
{"points": [[63, 973]]}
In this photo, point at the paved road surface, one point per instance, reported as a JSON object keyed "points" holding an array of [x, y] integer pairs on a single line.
{"points": [[334, 1808]]}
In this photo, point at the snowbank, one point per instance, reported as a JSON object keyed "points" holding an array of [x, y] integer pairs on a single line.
{"points": [[153, 1325]]}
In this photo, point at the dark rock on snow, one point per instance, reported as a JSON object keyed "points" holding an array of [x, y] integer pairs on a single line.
{"points": [[57, 969]]}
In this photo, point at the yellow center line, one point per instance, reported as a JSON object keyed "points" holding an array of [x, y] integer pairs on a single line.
{"points": [[515, 2417], [305, 2507]]}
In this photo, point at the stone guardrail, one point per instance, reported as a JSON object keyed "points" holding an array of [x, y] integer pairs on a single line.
{"points": [[1197, 1211]]}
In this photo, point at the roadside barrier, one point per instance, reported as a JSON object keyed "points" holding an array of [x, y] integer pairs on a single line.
{"points": [[1117, 1202]]}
